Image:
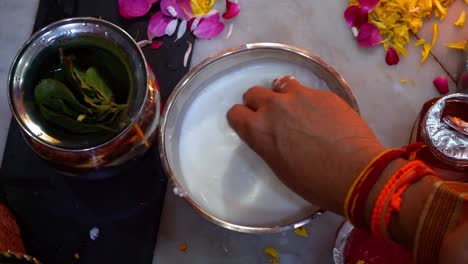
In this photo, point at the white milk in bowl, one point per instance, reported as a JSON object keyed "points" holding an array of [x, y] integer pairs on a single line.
{"points": [[221, 174]]}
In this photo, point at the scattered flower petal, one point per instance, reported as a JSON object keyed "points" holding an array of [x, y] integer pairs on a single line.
{"points": [[360, 262], [134, 8], [435, 33], [441, 84], [94, 233], [228, 35], [461, 45], [187, 53], [404, 81], [414, 82], [466, 2], [193, 23], [272, 254], [461, 19], [355, 16], [182, 29], [369, 36], [369, 5], [301, 231], [201, 7], [355, 31], [420, 42], [171, 27], [143, 43], [210, 26], [392, 57], [160, 25], [426, 50], [232, 10], [183, 247], [156, 44], [76, 256]]}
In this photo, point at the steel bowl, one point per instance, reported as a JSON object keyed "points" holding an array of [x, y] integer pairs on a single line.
{"points": [[78, 154], [188, 88]]}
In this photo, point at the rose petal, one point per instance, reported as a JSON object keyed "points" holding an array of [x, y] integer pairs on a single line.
{"points": [[392, 57], [369, 35], [159, 24], [182, 29], [177, 8], [209, 26], [356, 16], [368, 5], [232, 10], [441, 84], [134, 8], [156, 44]]}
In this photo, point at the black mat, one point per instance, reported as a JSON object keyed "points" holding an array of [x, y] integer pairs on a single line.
{"points": [[56, 212]]}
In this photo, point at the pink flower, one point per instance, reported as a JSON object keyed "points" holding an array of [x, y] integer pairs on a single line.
{"points": [[161, 25], [392, 57], [441, 84], [232, 10], [369, 35], [209, 26], [177, 8], [134, 8]]}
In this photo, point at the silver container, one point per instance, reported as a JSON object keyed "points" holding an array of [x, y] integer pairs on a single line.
{"points": [[191, 85], [79, 154]]}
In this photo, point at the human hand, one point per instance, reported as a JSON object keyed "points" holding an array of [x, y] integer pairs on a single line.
{"points": [[314, 142]]}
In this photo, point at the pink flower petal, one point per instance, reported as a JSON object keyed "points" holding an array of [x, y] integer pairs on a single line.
{"points": [[134, 8], [171, 27], [177, 8], [232, 10], [182, 29], [441, 84], [368, 5], [392, 57], [156, 44], [369, 35], [356, 16], [159, 24], [209, 26]]}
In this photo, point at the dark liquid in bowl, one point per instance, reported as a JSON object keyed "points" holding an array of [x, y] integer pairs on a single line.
{"points": [[89, 52]]}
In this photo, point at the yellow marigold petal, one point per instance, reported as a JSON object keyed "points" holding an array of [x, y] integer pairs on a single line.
{"points": [[183, 247], [426, 50], [461, 19], [420, 42], [461, 45], [360, 262], [404, 81], [301, 231], [435, 33], [272, 254], [466, 2]]}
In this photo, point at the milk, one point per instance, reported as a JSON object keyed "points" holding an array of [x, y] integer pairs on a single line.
{"points": [[221, 173]]}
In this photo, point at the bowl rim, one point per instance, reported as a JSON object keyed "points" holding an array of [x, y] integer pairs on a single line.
{"points": [[180, 87], [41, 32]]}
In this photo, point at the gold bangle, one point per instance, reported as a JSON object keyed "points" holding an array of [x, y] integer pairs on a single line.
{"points": [[439, 217]]}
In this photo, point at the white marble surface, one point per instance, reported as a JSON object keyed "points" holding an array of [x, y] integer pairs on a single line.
{"points": [[16, 24], [388, 106]]}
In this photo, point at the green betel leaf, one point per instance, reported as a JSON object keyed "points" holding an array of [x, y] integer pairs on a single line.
{"points": [[57, 96], [72, 125], [95, 80]]}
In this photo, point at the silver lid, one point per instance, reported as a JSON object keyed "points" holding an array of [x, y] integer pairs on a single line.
{"points": [[448, 144]]}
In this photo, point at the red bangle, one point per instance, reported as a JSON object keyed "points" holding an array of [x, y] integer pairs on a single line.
{"points": [[357, 196]]}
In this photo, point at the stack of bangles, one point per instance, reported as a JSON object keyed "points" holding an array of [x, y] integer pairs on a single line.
{"points": [[441, 210]]}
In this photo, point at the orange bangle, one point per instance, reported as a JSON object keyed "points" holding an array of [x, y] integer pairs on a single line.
{"points": [[389, 199]]}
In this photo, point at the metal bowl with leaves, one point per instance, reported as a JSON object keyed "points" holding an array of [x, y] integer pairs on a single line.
{"points": [[84, 96]]}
